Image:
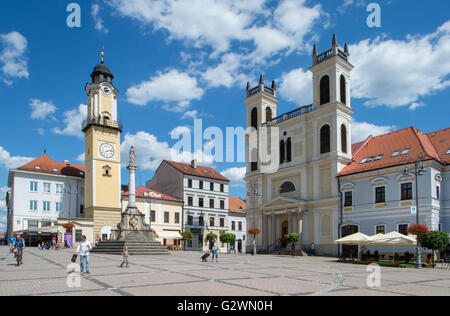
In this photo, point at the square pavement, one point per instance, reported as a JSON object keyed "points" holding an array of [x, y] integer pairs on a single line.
{"points": [[183, 274]]}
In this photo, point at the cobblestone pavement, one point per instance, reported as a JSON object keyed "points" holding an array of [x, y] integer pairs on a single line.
{"points": [[183, 274]]}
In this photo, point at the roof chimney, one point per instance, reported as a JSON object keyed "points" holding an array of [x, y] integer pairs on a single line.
{"points": [[194, 164]]}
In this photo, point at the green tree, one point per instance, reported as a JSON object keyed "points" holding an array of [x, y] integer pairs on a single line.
{"points": [[228, 238], [292, 239], [186, 236], [434, 241], [210, 237]]}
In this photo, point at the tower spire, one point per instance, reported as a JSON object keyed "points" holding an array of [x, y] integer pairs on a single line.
{"points": [[102, 54]]}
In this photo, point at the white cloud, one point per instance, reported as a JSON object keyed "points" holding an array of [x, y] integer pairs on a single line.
{"points": [[399, 72], [80, 157], [150, 151], [296, 86], [190, 114], [169, 87], [12, 60], [40, 131], [99, 26], [362, 130], [416, 105], [254, 29], [235, 175], [12, 162], [40, 110], [73, 120]]}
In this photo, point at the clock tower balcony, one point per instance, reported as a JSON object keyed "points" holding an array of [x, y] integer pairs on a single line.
{"points": [[104, 122]]}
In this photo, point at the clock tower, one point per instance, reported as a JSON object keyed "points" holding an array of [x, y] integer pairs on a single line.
{"points": [[102, 152]]}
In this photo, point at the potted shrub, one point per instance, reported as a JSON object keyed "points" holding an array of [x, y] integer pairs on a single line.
{"points": [[186, 236]]}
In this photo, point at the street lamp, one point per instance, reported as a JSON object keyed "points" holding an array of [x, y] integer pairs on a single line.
{"points": [[254, 193], [419, 170]]}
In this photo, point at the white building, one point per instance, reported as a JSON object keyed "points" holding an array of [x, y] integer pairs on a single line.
{"points": [[301, 194], [205, 195], [379, 186], [44, 190], [238, 222]]}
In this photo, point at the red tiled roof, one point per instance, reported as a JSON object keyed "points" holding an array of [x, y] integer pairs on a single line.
{"points": [[434, 147], [199, 171], [236, 205], [441, 142], [144, 192], [357, 146], [45, 164]]}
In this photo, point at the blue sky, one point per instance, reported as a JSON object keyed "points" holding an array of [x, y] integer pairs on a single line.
{"points": [[174, 61]]}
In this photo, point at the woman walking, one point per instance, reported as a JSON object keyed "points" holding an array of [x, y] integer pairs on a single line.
{"points": [[215, 251]]}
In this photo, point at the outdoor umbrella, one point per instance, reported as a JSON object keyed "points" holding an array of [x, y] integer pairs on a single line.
{"points": [[392, 239], [355, 239]]}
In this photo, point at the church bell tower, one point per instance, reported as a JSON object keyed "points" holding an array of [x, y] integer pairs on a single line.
{"points": [[102, 152]]}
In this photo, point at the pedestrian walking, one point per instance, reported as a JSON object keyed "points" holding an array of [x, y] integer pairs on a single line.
{"points": [[83, 250], [12, 239], [215, 250], [313, 250], [125, 255]]}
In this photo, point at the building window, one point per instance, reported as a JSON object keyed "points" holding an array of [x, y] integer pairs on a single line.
{"points": [[289, 150], [59, 188], [222, 222], [189, 183], [254, 166], [33, 224], [152, 216], [268, 114], [343, 139], [190, 201], [406, 191], [380, 229], [287, 187], [348, 198], [211, 203], [211, 221], [438, 193], [211, 186], [201, 221], [190, 243], [200, 185], [166, 217], [221, 188], [81, 209], [33, 186], [190, 220], [325, 139], [380, 195], [324, 90], [200, 202], [78, 234], [47, 187], [46, 206], [403, 229], [106, 171], [343, 90], [177, 218], [254, 118], [233, 225], [282, 152], [46, 224], [33, 205], [240, 226], [222, 204], [59, 206]]}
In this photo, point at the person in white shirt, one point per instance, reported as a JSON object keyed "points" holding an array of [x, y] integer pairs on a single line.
{"points": [[83, 250]]}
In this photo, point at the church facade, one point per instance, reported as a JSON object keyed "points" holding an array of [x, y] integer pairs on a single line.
{"points": [[302, 195]]}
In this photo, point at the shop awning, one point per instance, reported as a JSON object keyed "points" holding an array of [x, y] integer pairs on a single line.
{"points": [[48, 230], [169, 234]]}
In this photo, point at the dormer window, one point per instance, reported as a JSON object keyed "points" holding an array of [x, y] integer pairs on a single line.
{"points": [[396, 153], [37, 168], [406, 151], [363, 161], [55, 170], [448, 152], [379, 157]]}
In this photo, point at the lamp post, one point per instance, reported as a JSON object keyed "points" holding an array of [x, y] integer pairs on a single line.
{"points": [[254, 193], [419, 170]]}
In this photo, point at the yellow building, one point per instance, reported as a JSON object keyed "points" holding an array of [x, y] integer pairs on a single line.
{"points": [[102, 153], [163, 212]]}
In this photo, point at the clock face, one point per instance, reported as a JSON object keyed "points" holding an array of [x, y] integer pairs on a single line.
{"points": [[107, 150], [106, 90]]}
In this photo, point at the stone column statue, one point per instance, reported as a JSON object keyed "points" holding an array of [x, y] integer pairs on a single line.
{"points": [[132, 185]]}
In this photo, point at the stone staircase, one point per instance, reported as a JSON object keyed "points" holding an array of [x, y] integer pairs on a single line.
{"points": [[135, 247]]}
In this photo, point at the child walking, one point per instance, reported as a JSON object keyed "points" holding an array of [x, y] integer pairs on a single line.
{"points": [[125, 255]]}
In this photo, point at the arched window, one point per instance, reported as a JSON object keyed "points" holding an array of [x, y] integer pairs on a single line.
{"points": [[325, 139], [254, 118], [343, 90], [287, 187], [289, 150], [268, 114], [343, 139], [282, 152], [324, 90]]}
